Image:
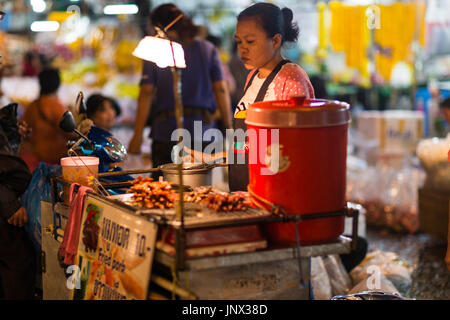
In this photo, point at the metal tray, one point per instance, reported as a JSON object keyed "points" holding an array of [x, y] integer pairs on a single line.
{"points": [[195, 214]]}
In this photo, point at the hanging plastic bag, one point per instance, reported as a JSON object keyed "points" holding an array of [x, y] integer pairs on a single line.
{"points": [[38, 190]]}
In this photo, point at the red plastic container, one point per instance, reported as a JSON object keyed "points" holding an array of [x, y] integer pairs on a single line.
{"points": [[311, 173]]}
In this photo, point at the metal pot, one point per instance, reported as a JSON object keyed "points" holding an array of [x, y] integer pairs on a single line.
{"points": [[191, 177]]}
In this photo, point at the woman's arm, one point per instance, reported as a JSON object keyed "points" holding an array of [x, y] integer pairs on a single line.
{"points": [[197, 156], [143, 110], [14, 179]]}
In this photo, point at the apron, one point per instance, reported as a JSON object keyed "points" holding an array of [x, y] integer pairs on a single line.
{"points": [[238, 178]]}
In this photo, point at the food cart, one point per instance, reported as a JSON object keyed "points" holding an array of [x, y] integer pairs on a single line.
{"points": [[154, 237], [144, 263]]}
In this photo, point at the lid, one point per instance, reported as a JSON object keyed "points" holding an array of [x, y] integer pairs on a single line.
{"points": [[79, 161], [298, 112]]}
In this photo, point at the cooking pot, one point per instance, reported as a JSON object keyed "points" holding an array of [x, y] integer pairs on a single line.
{"points": [[193, 175]]}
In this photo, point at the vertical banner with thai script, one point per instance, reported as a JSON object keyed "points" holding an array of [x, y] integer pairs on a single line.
{"points": [[115, 253]]}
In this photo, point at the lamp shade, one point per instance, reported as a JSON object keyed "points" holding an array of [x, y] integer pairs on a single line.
{"points": [[159, 51]]}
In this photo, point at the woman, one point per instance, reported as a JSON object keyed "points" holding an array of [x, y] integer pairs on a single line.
{"points": [[203, 88], [261, 31], [47, 141]]}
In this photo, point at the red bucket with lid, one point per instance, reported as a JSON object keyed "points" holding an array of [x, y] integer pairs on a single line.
{"points": [[309, 174]]}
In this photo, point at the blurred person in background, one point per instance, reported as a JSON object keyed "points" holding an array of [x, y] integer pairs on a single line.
{"points": [[239, 73], [47, 141], [102, 111], [17, 255], [217, 42], [203, 88], [33, 64]]}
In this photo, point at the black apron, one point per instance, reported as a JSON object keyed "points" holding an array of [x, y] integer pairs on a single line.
{"points": [[238, 169]]}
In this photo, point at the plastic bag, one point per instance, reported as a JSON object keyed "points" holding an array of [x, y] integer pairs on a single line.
{"points": [[433, 155], [401, 199], [38, 190], [382, 285], [319, 280], [388, 264], [389, 195], [340, 281]]}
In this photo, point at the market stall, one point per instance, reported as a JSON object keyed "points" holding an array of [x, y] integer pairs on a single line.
{"points": [[207, 255], [371, 148], [205, 243]]}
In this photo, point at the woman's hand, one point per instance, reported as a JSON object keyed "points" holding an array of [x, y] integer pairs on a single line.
{"points": [[135, 144], [19, 218], [24, 129], [194, 156]]}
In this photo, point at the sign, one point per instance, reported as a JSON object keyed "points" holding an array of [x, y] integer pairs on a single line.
{"points": [[115, 253]]}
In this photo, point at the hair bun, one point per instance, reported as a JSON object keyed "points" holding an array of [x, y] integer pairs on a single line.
{"points": [[290, 29], [287, 15]]}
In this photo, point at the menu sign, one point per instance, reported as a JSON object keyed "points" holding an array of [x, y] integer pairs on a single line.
{"points": [[115, 253]]}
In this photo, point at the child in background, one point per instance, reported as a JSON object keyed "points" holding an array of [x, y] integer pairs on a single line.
{"points": [[103, 111]]}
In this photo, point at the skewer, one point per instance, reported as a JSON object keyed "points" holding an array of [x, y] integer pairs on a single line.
{"points": [[125, 172]]}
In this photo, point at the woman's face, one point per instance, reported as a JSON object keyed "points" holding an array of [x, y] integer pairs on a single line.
{"points": [[255, 47], [105, 116]]}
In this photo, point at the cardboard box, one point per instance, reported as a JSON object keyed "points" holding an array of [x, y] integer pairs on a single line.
{"points": [[397, 131], [434, 212]]}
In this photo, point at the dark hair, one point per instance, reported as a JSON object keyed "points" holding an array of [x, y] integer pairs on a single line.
{"points": [[273, 20], [49, 80], [95, 102], [163, 15], [445, 103]]}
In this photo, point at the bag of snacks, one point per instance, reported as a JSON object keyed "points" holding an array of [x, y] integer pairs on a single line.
{"points": [[433, 155]]}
